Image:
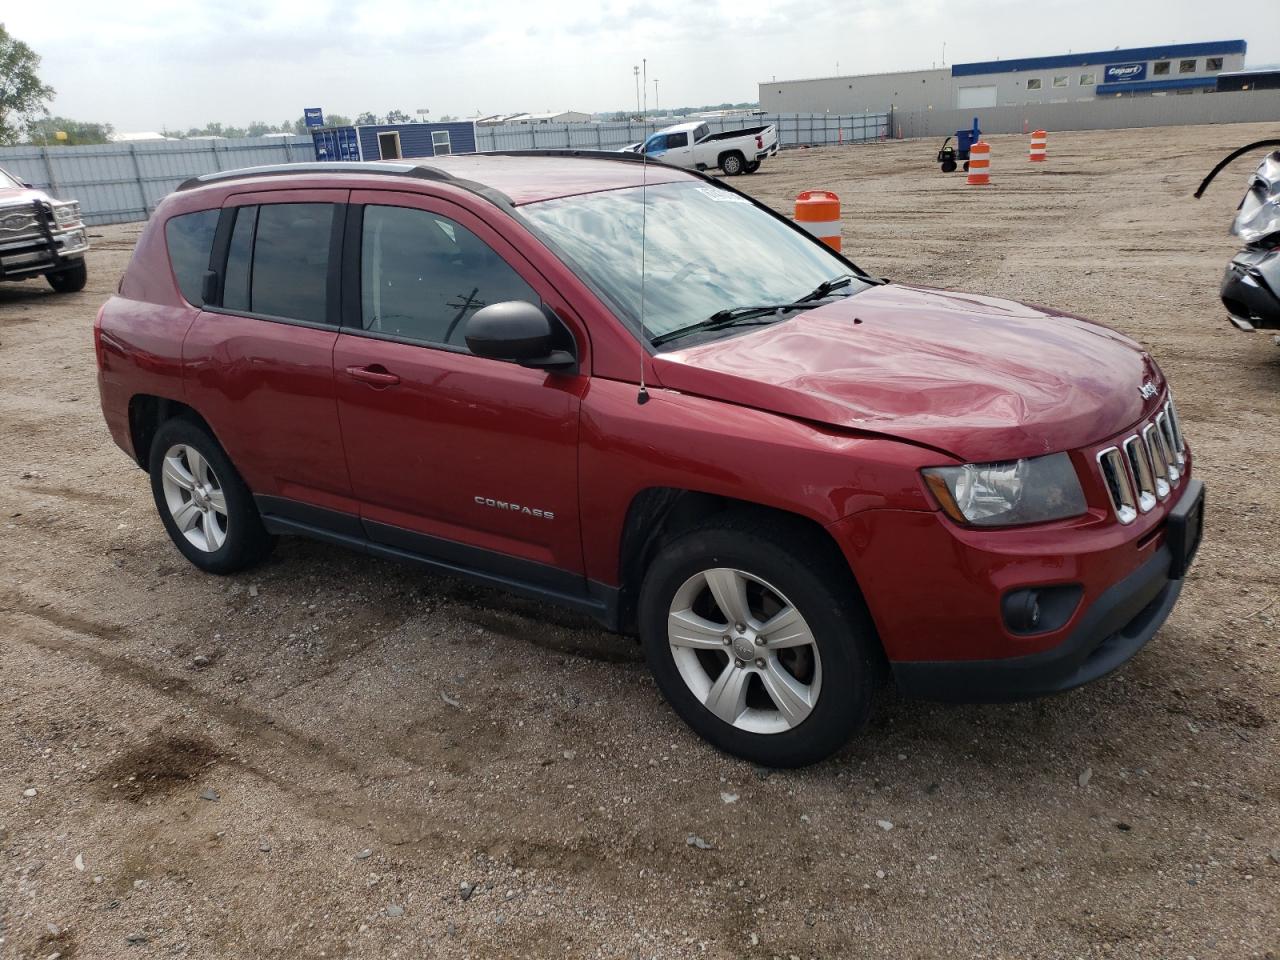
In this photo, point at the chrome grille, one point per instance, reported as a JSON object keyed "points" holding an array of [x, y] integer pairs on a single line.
{"points": [[1145, 467], [17, 222]]}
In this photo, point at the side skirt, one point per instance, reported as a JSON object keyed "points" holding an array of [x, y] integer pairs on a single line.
{"points": [[524, 577]]}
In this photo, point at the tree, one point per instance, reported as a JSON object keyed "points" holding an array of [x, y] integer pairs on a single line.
{"points": [[397, 116], [46, 130], [367, 119], [257, 128], [22, 95]]}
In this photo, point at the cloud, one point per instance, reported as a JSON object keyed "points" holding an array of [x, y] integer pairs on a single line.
{"points": [[150, 63]]}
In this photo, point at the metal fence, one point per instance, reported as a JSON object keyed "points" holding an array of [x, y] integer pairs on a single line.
{"points": [[122, 182], [794, 129]]}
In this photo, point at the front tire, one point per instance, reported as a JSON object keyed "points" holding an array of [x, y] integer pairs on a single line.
{"points": [[205, 506], [70, 280], [732, 164], [758, 638]]}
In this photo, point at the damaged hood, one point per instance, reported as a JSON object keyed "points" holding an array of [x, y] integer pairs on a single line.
{"points": [[980, 378]]}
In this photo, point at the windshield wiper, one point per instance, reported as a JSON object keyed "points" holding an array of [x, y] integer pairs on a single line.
{"points": [[750, 315], [734, 317], [828, 287]]}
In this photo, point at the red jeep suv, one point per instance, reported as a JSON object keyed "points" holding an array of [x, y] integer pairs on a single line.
{"points": [[632, 390]]}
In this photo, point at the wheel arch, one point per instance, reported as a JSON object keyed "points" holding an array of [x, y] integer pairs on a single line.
{"points": [[731, 153], [147, 413], [657, 515]]}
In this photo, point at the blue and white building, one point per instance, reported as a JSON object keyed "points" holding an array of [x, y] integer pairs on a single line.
{"points": [[1181, 68], [394, 141]]}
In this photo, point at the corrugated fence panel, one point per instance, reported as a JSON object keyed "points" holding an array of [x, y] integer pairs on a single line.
{"points": [[121, 182]]}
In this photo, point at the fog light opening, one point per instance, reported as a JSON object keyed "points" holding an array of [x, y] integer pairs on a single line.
{"points": [[1032, 610]]}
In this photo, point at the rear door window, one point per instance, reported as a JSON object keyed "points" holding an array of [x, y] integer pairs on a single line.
{"points": [[677, 140], [278, 261], [189, 238], [424, 275], [235, 284]]}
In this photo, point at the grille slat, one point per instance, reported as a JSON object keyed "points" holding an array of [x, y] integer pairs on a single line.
{"points": [[1119, 486], [1139, 458]]}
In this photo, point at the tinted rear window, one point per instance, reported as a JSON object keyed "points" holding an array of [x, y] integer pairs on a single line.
{"points": [[190, 238], [291, 260], [278, 261], [235, 286]]}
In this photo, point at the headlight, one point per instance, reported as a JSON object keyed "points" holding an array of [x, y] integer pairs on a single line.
{"points": [[1012, 492], [74, 240], [67, 214]]}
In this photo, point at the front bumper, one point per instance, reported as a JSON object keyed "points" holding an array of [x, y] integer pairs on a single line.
{"points": [[42, 246], [1117, 624]]}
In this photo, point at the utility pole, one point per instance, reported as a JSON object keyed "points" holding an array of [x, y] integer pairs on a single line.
{"points": [[636, 72], [655, 97]]}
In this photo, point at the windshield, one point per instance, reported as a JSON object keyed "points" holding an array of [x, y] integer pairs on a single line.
{"points": [[706, 249], [7, 181]]}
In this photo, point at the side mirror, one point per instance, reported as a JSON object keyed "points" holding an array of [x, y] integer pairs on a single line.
{"points": [[517, 331]]}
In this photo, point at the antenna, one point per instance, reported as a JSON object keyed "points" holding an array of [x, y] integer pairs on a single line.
{"points": [[643, 396]]}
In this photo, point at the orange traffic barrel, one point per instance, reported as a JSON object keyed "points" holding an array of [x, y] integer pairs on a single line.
{"points": [[1038, 140], [980, 164], [818, 211]]}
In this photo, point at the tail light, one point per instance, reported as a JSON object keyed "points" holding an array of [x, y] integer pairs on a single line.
{"points": [[759, 141], [97, 338]]}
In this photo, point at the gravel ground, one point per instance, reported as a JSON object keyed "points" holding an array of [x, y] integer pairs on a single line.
{"points": [[333, 756]]}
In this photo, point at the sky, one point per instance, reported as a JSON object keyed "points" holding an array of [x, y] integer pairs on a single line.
{"points": [[147, 65]]}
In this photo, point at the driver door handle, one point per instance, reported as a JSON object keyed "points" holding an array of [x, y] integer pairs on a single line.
{"points": [[374, 374]]}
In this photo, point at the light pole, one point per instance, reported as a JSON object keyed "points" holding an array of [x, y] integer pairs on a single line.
{"points": [[636, 72], [655, 97]]}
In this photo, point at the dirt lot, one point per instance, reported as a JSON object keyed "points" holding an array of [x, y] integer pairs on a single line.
{"points": [[339, 757]]}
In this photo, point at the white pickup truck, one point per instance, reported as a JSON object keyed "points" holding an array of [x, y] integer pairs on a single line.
{"points": [[40, 235], [694, 147]]}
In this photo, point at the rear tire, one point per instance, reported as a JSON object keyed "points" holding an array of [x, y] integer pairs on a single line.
{"points": [[205, 506], [751, 167], [70, 280], [732, 164], [948, 166], [792, 703]]}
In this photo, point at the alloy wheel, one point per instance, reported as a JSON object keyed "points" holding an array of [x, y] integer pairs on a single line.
{"points": [[195, 497], [744, 651]]}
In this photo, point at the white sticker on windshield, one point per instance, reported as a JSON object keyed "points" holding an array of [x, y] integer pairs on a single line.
{"points": [[722, 196]]}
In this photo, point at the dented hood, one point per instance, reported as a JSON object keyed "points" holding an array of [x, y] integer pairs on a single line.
{"points": [[978, 377]]}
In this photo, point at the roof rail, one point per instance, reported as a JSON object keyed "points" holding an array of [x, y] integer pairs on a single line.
{"points": [[382, 168]]}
